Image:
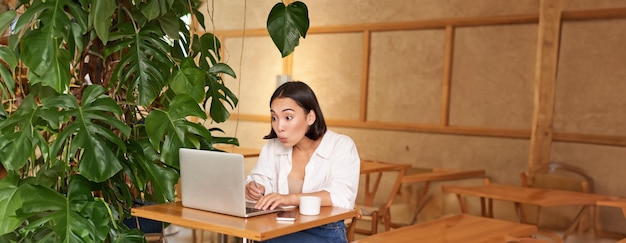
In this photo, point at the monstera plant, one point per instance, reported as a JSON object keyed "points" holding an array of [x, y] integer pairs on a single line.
{"points": [[95, 100]]}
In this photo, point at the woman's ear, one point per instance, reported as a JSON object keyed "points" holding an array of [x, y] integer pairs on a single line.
{"points": [[310, 118]]}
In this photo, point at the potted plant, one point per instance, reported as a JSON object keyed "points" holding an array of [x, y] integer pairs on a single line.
{"points": [[95, 96]]}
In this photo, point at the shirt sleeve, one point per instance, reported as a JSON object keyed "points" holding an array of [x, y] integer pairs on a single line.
{"points": [[264, 171], [344, 174]]}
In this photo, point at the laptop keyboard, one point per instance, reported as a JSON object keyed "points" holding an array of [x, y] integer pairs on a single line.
{"points": [[253, 210]]}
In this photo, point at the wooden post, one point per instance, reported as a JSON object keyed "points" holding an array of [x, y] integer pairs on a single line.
{"points": [[545, 80]]}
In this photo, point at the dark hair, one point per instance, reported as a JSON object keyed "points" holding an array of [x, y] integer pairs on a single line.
{"points": [[304, 96]]}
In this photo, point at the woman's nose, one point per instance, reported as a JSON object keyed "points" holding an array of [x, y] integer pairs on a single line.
{"points": [[278, 126]]}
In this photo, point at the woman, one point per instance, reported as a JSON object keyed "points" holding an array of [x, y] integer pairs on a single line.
{"points": [[301, 158]]}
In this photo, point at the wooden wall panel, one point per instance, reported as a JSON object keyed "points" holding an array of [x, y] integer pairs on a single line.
{"points": [[400, 56], [256, 81], [591, 85], [493, 90], [331, 64]]}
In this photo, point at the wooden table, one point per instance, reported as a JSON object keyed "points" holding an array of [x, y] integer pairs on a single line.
{"points": [[256, 228], [527, 195], [459, 228], [416, 175], [617, 203]]}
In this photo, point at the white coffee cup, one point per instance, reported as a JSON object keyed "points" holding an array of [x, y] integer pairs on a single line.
{"points": [[310, 205]]}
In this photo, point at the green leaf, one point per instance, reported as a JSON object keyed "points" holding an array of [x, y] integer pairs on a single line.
{"points": [[170, 25], [218, 94], [101, 15], [74, 215], [188, 80], [43, 49], [208, 46], [223, 68], [162, 179], [145, 65], [6, 19], [16, 153], [92, 130], [8, 57], [286, 24], [170, 126], [155, 8], [9, 203], [8, 83]]}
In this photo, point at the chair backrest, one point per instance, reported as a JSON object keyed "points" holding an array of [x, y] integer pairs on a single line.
{"points": [[558, 175], [373, 180]]}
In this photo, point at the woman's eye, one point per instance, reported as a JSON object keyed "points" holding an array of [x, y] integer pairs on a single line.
{"points": [[274, 118], [289, 118]]}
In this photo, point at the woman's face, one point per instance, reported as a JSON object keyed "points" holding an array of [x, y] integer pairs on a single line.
{"points": [[290, 121]]}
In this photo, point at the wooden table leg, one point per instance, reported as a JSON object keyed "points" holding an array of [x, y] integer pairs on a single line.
{"points": [[462, 203], [421, 202]]}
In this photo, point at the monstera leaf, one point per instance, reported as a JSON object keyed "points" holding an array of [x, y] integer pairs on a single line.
{"points": [[162, 179], [286, 24], [218, 94], [10, 202], [146, 65], [189, 80], [44, 50], [16, 145], [91, 131], [171, 126], [75, 217]]}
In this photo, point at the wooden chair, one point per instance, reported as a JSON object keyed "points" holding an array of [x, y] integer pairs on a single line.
{"points": [[372, 212], [352, 224], [555, 175]]}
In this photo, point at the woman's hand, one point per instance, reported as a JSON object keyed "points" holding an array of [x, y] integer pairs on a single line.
{"points": [[254, 191], [274, 200]]}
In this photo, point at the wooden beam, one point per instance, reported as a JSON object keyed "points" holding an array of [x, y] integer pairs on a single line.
{"points": [[365, 75], [572, 15], [395, 26], [545, 82], [619, 141], [608, 13], [447, 76]]}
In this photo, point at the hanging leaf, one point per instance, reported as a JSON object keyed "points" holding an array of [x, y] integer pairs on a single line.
{"points": [[286, 24]]}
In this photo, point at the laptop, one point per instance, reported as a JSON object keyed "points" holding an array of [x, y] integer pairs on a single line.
{"points": [[214, 181]]}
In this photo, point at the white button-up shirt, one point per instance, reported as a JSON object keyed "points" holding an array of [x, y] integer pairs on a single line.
{"points": [[334, 167]]}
